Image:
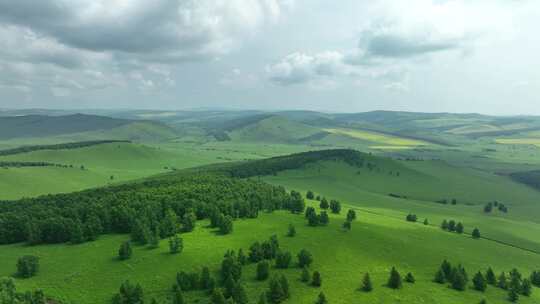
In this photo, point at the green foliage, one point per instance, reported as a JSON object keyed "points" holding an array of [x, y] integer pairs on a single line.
{"points": [[176, 244], [283, 259], [394, 281], [411, 217], [367, 285], [323, 218], [310, 195], [321, 299], [291, 232], [129, 294], [278, 290], [479, 282], [188, 222], [324, 204], [351, 215], [125, 251], [305, 276], [347, 225], [316, 279], [263, 270], [226, 225], [409, 278], [217, 297], [239, 294], [231, 267], [178, 297], [335, 206], [476, 233], [491, 279], [27, 266], [304, 258], [459, 228]]}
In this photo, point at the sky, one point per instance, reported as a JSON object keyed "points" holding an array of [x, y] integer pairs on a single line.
{"points": [[323, 55]]}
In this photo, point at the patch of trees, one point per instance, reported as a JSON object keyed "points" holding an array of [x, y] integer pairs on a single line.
{"points": [[488, 208], [27, 266], [315, 219], [452, 226], [20, 164], [397, 195], [129, 294], [10, 295], [157, 208], [64, 146], [271, 166], [530, 178], [445, 201], [455, 276], [411, 218]]}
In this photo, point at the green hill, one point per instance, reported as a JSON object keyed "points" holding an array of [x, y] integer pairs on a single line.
{"points": [[275, 129], [379, 240]]}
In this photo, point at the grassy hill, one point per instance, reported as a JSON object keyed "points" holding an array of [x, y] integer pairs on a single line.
{"points": [[380, 238]]}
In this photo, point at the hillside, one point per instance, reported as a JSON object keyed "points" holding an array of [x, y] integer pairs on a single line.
{"points": [[380, 237]]}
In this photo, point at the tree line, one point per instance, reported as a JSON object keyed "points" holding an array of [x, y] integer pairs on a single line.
{"points": [[63, 146]]}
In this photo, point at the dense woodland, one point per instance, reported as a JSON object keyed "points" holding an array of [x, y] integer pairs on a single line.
{"points": [[294, 161], [161, 206], [63, 146]]}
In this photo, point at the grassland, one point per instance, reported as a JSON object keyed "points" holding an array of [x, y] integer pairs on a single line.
{"points": [[375, 244], [379, 138]]}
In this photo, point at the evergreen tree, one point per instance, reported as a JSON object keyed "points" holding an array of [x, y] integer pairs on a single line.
{"points": [[526, 287], [27, 266], [335, 206], [444, 225], [284, 285], [140, 232], [263, 270], [324, 204], [502, 281], [351, 215], [263, 298], [479, 282], [239, 294], [366, 283], [409, 278], [316, 279], [535, 278], [304, 258], [292, 231], [446, 267], [276, 294], [297, 203], [310, 211], [323, 218], [153, 242], [451, 225], [242, 259], [125, 251], [169, 224], [440, 277], [426, 222], [305, 276], [129, 294], [459, 228], [76, 233], [178, 297], [189, 221], [283, 259], [476, 233], [205, 278], [313, 219], [513, 295], [394, 281], [310, 195], [226, 225], [176, 244], [347, 225], [458, 281], [229, 286], [231, 267], [217, 297], [491, 279], [321, 299]]}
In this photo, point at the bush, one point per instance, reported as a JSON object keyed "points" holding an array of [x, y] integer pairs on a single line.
{"points": [[304, 258], [263, 270], [27, 266], [125, 251]]}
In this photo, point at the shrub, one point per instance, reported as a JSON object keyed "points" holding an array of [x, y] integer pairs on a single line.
{"points": [[27, 266]]}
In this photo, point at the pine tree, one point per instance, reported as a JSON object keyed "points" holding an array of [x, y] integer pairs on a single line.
{"points": [[479, 282], [316, 279], [310, 195], [394, 281], [444, 225], [351, 215], [366, 283], [176, 244], [304, 258], [502, 282], [409, 278], [323, 218], [283, 259], [535, 278], [189, 221], [426, 222], [459, 228], [292, 231], [491, 279], [451, 225], [324, 204], [513, 295], [239, 294], [242, 259], [275, 294], [526, 287], [335, 206], [446, 267], [178, 297], [321, 299], [305, 276], [476, 233], [440, 277], [229, 286], [217, 297], [226, 225], [205, 278], [263, 298], [153, 242], [347, 225], [284, 285], [125, 251], [263, 270]]}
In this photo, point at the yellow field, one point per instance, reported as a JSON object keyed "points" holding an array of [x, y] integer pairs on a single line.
{"points": [[382, 139], [518, 141]]}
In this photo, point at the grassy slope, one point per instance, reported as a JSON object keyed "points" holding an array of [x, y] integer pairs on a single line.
{"points": [[375, 244], [273, 129], [423, 183]]}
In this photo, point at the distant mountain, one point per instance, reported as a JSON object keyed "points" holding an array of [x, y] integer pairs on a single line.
{"points": [[78, 127]]}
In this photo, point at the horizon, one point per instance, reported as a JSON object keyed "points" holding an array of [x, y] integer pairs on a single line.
{"points": [[428, 56]]}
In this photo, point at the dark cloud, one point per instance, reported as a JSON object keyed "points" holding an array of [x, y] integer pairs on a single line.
{"points": [[396, 46]]}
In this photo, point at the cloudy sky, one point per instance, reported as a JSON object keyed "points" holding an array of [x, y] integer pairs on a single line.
{"points": [[337, 56]]}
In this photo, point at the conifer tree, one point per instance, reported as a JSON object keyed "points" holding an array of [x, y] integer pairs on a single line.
{"points": [[513, 295], [476, 233], [323, 218], [459, 228], [153, 242], [444, 225], [205, 278], [263, 298], [321, 299], [351, 215], [502, 281], [316, 279], [275, 294], [479, 282], [218, 297], [324, 204], [239, 294], [409, 278], [292, 231], [426, 222], [440, 277], [304, 258], [491, 279], [176, 244], [526, 287], [125, 251], [263, 270], [76, 233], [178, 297], [285, 286], [229, 286], [394, 281], [305, 276], [366, 283], [347, 225]]}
